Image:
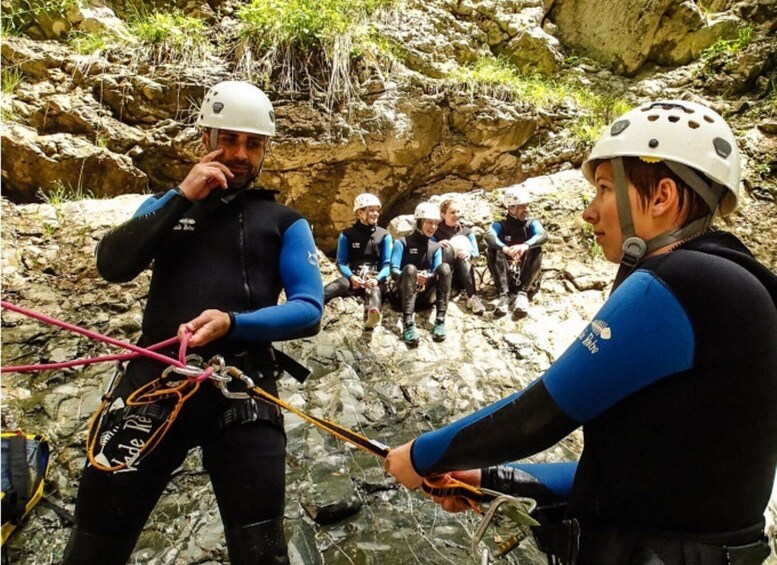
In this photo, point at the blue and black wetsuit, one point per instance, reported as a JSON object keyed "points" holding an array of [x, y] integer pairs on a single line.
{"points": [[675, 385], [512, 231], [234, 253], [362, 248], [463, 276], [412, 254]]}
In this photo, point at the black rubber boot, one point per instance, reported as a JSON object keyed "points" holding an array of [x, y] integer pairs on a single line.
{"points": [[262, 543], [84, 548]]}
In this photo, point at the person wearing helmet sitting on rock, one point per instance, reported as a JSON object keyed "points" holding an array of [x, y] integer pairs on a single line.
{"points": [[422, 279], [459, 247], [363, 255], [222, 253], [674, 381], [514, 252]]}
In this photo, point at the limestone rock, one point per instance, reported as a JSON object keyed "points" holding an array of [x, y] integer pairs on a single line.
{"points": [[31, 161]]}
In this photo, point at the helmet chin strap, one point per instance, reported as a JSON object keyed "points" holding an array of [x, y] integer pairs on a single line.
{"points": [[634, 247]]}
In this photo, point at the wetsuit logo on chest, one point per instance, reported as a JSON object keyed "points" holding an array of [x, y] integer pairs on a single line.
{"points": [[185, 224], [413, 251], [508, 238], [356, 245]]}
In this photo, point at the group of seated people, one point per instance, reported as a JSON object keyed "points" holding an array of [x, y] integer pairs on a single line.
{"points": [[417, 271]]}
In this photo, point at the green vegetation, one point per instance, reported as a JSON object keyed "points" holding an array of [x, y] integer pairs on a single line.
{"points": [[11, 78], [18, 15], [88, 43], [62, 193], [588, 237], [498, 77], [289, 34], [172, 36], [725, 48], [304, 24]]}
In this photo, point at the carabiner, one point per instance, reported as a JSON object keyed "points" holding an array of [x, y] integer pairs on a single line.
{"points": [[521, 516], [234, 373]]}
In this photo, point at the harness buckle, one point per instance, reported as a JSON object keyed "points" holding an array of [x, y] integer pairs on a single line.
{"points": [[511, 519]]}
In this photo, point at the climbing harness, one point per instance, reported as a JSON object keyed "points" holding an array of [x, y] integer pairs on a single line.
{"points": [[514, 270], [183, 378]]}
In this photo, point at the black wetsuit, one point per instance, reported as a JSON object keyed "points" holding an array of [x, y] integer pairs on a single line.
{"points": [[235, 254], [362, 247], [412, 254], [508, 232], [463, 276], [675, 385]]}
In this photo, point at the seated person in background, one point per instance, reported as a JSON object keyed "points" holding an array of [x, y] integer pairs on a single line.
{"points": [[459, 246], [514, 248], [422, 279], [363, 253]]}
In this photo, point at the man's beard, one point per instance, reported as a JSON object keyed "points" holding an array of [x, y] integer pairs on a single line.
{"points": [[244, 180]]}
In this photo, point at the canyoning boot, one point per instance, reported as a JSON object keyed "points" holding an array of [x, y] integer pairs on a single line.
{"points": [[410, 335], [501, 306], [83, 548], [520, 305], [475, 305], [373, 319], [262, 542], [439, 333]]}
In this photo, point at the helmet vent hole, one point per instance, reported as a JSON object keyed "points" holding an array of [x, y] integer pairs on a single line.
{"points": [[688, 110], [708, 119], [674, 119], [693, 125], [653, 117]]}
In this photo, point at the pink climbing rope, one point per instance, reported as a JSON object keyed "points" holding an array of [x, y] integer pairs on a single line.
{"points": [[136, 350]]}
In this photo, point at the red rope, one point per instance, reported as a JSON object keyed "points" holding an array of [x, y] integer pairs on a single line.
{"points": [[137, 351]]}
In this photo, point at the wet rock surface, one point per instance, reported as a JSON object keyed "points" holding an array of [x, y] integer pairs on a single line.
{"points": [[341, 507]]}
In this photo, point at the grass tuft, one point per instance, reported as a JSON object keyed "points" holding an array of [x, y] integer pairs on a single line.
{"points": [[283, 39], [171, 37], [497, 77], [17, 16]]}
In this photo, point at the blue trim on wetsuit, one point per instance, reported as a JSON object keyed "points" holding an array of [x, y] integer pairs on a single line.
{"points": [[632, 343], [154, 203], [535, 228], [436, 260], [342, 256], [556, 477], [396, 258], [304, 293], [385, 256], [650, 337], [474, 243]]}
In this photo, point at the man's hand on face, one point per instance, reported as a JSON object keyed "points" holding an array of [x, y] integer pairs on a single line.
{"points": [[206, 176], [208, 326]]}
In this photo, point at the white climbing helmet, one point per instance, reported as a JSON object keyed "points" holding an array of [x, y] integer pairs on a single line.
{"points": [[427, 211], [675, 131], [515, 196], [237, 106], [365, 200]]}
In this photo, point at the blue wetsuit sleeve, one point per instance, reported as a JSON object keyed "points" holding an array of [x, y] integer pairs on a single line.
{"points": [[538, 234], [640, 336], [301, 279], [436, 259], [474, 244], [547, 483], [385, 258], [128, 249], [396, 259], [342, 256], [493, 236]]}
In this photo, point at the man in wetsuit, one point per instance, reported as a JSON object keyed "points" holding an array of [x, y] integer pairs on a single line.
{"points": [[422, 279], [459, 248], [222, 252], [674, 381], [363, 255], [514, 252]]}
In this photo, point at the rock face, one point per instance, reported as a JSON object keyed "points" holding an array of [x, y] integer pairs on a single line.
{"points": [[341, 507], [626, 35]]}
